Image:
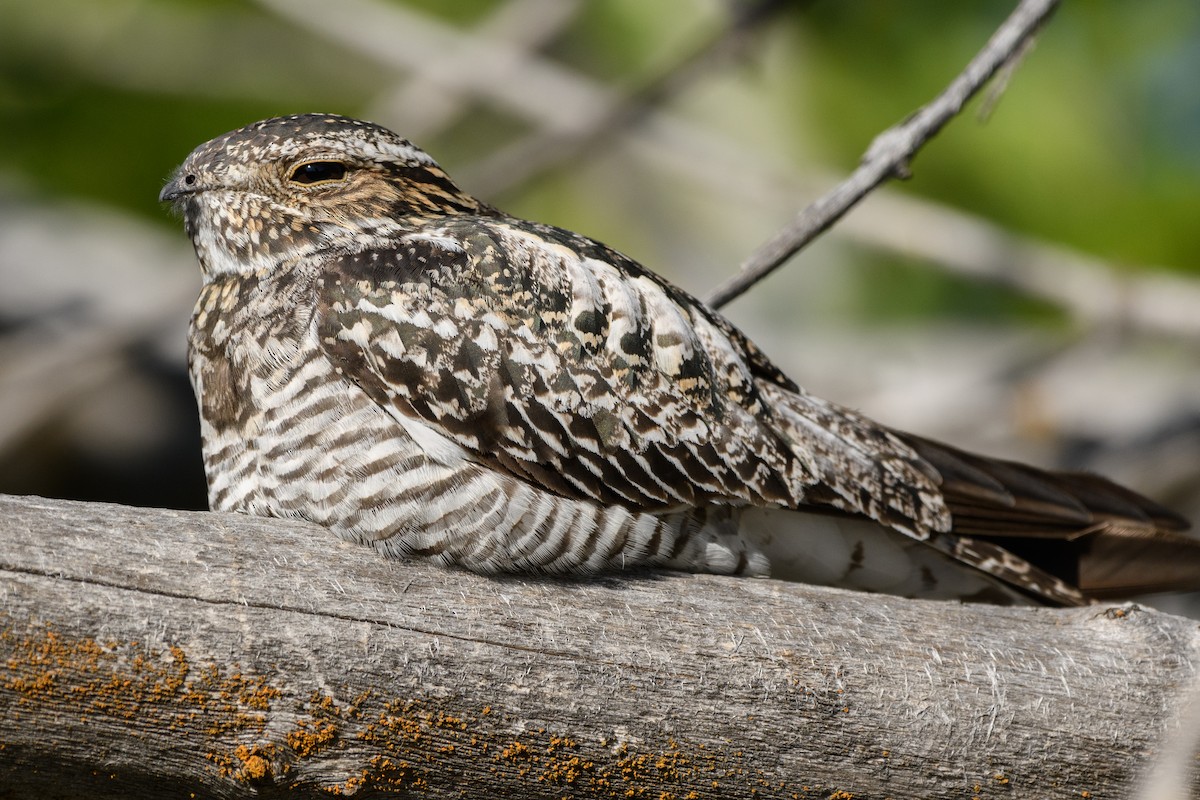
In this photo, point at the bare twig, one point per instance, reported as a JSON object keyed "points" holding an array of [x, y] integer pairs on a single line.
{"points": [[432, 99], [890, 153], [568, 105], [508, 75], [549, 147]]}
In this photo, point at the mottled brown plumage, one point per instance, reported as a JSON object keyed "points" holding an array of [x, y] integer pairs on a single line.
{"points": [[380, 353]]}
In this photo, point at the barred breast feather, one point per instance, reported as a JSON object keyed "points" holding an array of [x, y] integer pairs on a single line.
{"points": [[378, 352]]}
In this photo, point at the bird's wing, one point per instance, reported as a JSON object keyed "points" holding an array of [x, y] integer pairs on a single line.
{"points": [[1094, 534], [565, 364]]}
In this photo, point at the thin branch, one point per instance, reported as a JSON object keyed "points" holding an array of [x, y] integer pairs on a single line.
{"points": [[569, 105], [429, 101], [405, 39], [549, 147], [890, 153]]}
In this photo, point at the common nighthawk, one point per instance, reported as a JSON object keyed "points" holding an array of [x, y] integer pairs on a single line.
{"points": [[382, 354]]}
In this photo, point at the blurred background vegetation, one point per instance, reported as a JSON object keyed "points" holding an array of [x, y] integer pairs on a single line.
{"points": [[1032, 291]]}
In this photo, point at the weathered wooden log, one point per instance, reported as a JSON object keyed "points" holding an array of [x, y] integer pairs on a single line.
{"points": [[151, 653]]}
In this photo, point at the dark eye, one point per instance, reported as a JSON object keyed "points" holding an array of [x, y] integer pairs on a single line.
{"points": [[318, 172]]}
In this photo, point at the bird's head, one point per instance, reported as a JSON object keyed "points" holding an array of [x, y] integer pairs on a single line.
{"points": [[284, 188]]}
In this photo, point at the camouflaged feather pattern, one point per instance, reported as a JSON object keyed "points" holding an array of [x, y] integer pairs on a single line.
{"points": [[377, 352]]}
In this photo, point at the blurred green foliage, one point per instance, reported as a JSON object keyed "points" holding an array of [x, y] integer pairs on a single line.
{"points": [[1103, 112], [1095, 143]]}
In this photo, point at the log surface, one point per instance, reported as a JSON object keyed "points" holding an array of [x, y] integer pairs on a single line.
{"points": [[151, 653]]}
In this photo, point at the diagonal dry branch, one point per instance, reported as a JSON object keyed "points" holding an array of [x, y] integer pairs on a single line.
{"points": [[567, 107], [890, 153], [405, 39], [433, 98], [547, 148]]}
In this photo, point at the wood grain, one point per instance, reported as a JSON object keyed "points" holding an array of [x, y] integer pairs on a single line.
{"points": [[152, 653]]}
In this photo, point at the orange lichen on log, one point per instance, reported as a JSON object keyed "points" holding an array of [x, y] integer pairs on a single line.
{"points": [[380, 743], [87, 680], [256, 765], [415, 743]]}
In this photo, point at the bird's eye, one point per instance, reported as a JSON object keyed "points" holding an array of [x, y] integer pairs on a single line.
{"points": [[318, 172]]}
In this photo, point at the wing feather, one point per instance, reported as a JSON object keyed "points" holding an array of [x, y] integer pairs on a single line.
{"points": [[550, 358], [555, 368], [567, 365]]}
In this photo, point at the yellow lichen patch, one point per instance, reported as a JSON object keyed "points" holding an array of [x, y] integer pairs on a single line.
{"points": [[396, 775], [256, 766], [378, 743], [567, 771], [309, 737], [641, 767], [255, 763], [88, 678], [319, 729], [404, 732], [516, 751], [351, 786], [562, 764], [80, 678]]}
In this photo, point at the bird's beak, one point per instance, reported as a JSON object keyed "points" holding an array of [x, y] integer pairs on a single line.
{"points": [[175, 188]]}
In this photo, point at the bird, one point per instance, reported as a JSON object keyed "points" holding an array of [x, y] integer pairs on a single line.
{"points": [[378, 352]]}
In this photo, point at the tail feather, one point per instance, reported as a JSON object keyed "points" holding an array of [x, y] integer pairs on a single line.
{"points": [[1060, 537], [1084, 530]]}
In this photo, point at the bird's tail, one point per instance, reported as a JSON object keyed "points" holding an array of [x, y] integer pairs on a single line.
{"points": [[1062, 537]]}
